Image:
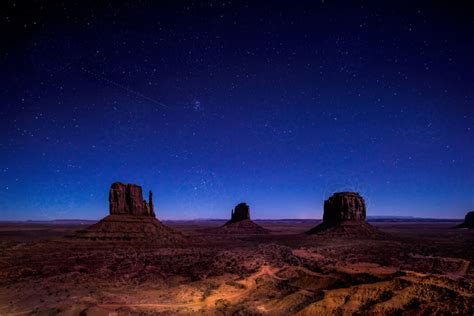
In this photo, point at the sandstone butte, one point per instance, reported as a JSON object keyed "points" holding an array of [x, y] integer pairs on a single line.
{"points": [[130, 218], [344, 215]]}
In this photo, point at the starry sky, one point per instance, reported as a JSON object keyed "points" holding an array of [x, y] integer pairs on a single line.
{"points": [[209, 104]]}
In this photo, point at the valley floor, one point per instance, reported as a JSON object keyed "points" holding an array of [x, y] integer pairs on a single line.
{"points": [[413, 268]]}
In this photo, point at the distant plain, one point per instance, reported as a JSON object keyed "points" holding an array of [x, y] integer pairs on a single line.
{"points": [[417, 266]]}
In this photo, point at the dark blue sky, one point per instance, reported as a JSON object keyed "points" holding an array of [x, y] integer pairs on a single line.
{"points": [[211, 104]]}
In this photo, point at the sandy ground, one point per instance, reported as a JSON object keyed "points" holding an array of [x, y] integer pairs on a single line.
{"points": [[413, 268]]}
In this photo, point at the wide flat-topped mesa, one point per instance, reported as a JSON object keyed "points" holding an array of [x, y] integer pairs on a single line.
{"points": [[127, 199], [344, 214]]}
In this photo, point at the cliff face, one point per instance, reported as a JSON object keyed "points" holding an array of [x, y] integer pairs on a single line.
{"points": [[127, 199], [344, 206]]}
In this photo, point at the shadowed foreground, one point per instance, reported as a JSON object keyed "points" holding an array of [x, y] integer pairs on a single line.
{"points": [[412, 267]]}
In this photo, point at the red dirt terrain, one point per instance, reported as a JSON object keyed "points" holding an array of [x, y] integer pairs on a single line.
{"points": [[410, 268]]}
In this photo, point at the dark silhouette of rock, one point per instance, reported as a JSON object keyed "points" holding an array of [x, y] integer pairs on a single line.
{"points": [[240, 223], [151, 209], [344, 215], [468, 221], [131, 218], [127, 199], [240, 213]]}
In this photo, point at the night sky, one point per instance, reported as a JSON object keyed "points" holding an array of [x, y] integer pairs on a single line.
{"points": [[210, 104]]}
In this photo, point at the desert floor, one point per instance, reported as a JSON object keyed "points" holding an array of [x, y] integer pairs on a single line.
{"points": [[413, 268]]}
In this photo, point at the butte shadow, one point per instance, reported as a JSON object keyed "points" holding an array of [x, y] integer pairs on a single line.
{"points": [[344, 215], [240, 223], [131, 218]]}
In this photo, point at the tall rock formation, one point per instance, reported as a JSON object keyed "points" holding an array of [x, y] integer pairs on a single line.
{"points": [[131, 218], [344, 214], [344, 206], [127, 199], [240, 223], [468, 221], [151, 209], [240, 212]]}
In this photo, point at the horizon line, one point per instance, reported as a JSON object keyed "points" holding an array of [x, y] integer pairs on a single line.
{"points": [[226, 219]]}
